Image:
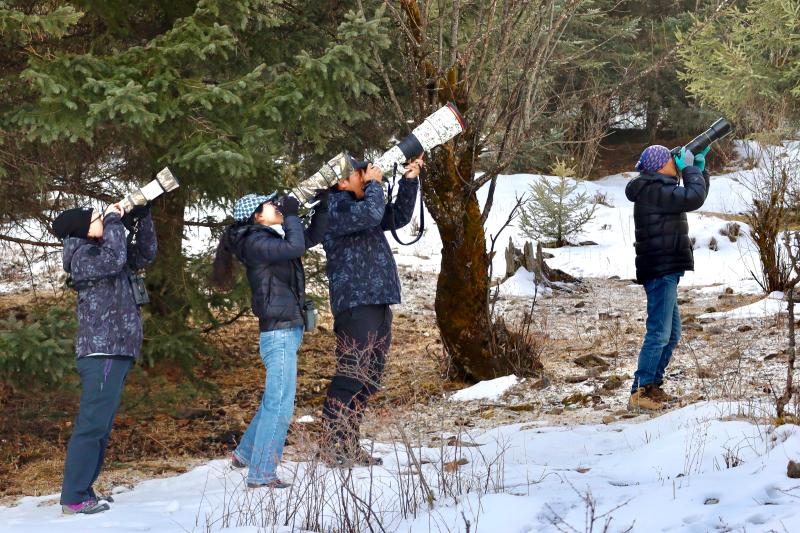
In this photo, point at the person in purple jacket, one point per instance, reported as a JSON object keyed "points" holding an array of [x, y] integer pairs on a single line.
{"points": [[100, 260]]}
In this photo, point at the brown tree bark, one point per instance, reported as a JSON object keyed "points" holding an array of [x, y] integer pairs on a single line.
{"points": [[462, 312], [479, 349], [168, 295]]}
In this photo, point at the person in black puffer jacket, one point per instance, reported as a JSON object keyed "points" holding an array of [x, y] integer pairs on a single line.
{"points": [[663, 255], [277, 281]]}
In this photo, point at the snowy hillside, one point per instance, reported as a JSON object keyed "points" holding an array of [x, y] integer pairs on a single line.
{"points": [[697, 469]]}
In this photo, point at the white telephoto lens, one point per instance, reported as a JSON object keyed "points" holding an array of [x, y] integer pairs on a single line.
{"points": [[438, 128]]}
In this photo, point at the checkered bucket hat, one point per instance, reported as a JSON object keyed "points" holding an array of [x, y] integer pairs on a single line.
{"points": [[247, 204]]}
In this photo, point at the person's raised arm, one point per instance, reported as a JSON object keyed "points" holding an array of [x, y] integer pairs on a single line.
{"points": [[319, 221], [399, 213], [261, 248], [145, 246], [678, 199], [346, 215], [106, 258]]}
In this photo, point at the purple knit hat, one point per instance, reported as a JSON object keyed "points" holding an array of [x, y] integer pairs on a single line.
{"points": [[653, 158]]}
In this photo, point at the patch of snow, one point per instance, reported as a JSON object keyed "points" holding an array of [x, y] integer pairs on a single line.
{"points": [[490, 389], [691, 469], [523, 284], [772, 305]]}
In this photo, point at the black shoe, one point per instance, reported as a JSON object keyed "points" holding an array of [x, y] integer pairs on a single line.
{"points": [[272, 484], [334, 458], [339, 457], [236, 463], [362, 458]]}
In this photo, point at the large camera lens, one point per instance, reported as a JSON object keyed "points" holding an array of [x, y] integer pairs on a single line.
{"points": [[718, 130]]}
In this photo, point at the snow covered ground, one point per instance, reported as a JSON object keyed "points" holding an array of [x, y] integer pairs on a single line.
{"points": [[705, 467]]}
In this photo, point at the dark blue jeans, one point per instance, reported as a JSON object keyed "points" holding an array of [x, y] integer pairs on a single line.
{"points": [[663, 330], [102, 380]]}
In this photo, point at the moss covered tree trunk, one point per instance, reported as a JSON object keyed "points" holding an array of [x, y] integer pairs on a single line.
{"points": [[476, 345], [462, 312]]}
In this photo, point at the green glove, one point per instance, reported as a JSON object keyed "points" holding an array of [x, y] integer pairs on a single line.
{"points": [[684, 159], [700, 159]]}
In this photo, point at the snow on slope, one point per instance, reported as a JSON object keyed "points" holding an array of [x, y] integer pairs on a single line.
{"points": [[696, 469]]}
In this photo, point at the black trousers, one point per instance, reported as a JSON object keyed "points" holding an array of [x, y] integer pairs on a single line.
{"points": [[363, 338], [102, 381]]}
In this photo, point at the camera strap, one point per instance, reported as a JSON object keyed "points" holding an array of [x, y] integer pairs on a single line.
{"points": [[390, 207]]}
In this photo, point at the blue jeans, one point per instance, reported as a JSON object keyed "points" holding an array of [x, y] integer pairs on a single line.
{"points": [[261, 446], [663, 330]]}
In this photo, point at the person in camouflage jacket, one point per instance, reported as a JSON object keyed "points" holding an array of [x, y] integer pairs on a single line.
{"points": [[99, 259], [363, 283]]}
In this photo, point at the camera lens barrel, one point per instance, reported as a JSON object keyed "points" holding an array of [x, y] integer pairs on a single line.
{"points": [[411, 147], [718, 130]]}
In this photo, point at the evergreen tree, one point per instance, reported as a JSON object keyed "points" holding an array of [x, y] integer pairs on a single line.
{"points": [[746, 64], [555, 209], [234, 95]]}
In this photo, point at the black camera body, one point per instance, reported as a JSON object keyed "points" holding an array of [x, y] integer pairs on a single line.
{"points": [[140, 296], [718, 130]]}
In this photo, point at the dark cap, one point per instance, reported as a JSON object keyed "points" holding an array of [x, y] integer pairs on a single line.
{"points": [[356, 164], [73, 223]]}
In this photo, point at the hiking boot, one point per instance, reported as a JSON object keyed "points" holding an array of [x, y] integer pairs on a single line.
{"points": [[271, 484], [657, 393], [90, 506], [362, 458], [642, 401], [334, 458], [236, 463]]}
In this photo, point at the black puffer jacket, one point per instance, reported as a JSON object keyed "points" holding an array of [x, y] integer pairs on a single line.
{"points": [[659, 214], [274, 269]]}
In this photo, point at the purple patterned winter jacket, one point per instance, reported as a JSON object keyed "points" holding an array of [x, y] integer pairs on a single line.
{"points": [[109, 321], [360, 265]]}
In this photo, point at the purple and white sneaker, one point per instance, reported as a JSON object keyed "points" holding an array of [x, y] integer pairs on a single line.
{"points": [[90, 506]]}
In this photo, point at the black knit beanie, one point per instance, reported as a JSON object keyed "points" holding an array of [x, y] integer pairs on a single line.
{"points": [[73, 223]]}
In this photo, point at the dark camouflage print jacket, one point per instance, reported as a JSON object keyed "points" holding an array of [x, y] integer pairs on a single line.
{"points": [[109, 321], [360, 266]]}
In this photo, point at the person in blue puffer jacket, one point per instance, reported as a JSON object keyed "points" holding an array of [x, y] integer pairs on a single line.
{"points": [[268, 238], [99, 260], [363, 283]]}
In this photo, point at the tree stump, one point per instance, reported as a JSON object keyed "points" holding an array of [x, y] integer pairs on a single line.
{"points": [[534, 262]]}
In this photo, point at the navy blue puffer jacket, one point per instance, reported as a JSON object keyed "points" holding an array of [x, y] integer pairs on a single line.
{"points": [[274, 269], [109, 321], [662, 244]]}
